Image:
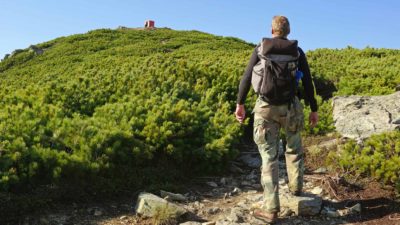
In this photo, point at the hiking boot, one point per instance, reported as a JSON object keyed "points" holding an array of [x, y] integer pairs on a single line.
{"points": [[266, 217]]}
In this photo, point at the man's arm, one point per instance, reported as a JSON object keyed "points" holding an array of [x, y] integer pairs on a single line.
{"points": [[308, 87], [244, 87], [245, 83], [307, 81]]}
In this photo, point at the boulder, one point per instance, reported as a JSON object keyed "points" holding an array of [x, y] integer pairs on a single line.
{"points": [[251, 160], [150, 205], [305, 205], [358, 117], [36, 50]]}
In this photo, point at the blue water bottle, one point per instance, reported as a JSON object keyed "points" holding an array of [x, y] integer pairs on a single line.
{"points": [[299, 75]]}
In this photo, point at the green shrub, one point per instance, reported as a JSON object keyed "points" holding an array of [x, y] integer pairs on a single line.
{"points": [[109, 105], [378, 157], [368, 71], [325, 123]]}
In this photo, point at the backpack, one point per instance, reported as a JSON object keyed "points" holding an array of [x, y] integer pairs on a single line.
{"points": [[274, 76]]}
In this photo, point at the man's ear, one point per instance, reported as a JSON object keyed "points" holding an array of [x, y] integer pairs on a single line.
{"points": [[272, 30]]}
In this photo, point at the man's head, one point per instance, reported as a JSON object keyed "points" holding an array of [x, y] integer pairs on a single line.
{"points": [[280, 26]]}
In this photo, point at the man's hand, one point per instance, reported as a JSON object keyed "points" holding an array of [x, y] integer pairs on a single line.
{"points": [[313, 119], [240, 113]]}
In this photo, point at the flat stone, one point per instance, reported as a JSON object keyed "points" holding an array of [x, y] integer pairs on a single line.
{"points": [[208, 223], [173, 196], [212, 184], [321, 170], [251, 160], [317, 190], [356, 208], [236, 190], [331, 213], [306, 205], [191, 223], [150, 205]]}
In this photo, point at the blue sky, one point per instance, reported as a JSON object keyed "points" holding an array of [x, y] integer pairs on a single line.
{"points": [[315, 23]]}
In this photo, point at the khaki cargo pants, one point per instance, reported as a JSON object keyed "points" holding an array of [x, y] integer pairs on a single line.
{"points": [[268, 119]]}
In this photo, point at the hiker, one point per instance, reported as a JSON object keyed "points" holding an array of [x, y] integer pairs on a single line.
{"points": [[274, 70]]}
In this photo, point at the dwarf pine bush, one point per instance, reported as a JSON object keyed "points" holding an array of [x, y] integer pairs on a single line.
{"points": [[378, 157]]}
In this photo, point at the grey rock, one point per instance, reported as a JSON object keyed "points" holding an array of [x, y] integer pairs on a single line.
{"points": [[36, 50], [333, 213], [321, 170], [150, 205], [173, 196], [212, 184], [96, 211], [251, 160], [198, 205], [208, 223], [191, 223], [233, 218], [123, 217], [252, 176], [328, 144], [224, 222], [223, 181], [58, 219], [213, 210], [236, 215], [356, 208], [246, 183], [236, 190], [242, 204], [305, 205], [344, 212], [235, 169], [359, 117], [317, 190]]}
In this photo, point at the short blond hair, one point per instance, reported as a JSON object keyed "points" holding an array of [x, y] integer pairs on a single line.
{"points": [[280, 26]]}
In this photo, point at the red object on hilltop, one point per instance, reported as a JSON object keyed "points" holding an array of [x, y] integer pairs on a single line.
{"points": [[149, 24]]}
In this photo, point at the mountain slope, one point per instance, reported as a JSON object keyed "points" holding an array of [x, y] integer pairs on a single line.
{"points": [[97, 106]]}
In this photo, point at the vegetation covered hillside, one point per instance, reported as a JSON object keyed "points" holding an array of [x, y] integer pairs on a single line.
{"points": [[368, 71], [110, 107], [123, 109]]}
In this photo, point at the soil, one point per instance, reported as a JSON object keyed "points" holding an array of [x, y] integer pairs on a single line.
{"points": [[380, 205]]}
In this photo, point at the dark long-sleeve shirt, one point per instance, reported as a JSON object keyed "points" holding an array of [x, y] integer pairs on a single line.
{"points": [[308, 85]]}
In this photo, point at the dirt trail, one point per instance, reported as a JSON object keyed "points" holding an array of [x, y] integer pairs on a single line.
{"points": [[230, 199]]}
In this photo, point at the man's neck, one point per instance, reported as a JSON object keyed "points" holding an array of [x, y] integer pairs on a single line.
{"points": [[280, 37]]}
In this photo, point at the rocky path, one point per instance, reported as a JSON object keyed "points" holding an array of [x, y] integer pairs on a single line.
{"points": [[229, 200]]}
